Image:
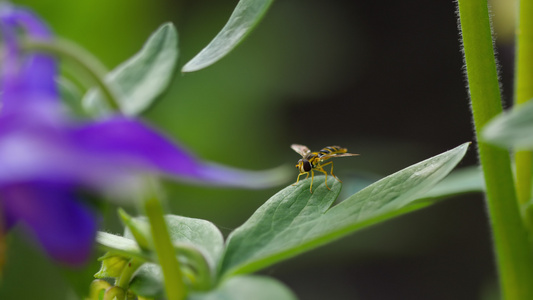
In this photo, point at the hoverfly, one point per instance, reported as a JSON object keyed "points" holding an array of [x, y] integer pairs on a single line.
{"points": [[313, 161]]}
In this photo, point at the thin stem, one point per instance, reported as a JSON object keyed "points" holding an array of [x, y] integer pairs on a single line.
{"points": [[173, 277], [127, 273], [523, 93], [514, 258], [90, 64]]}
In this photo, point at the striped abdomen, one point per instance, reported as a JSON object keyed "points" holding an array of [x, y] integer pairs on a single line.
{"points": [[331, 150]]}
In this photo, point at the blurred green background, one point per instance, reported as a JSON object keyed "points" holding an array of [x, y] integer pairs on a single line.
{"points": [[384, 80]]}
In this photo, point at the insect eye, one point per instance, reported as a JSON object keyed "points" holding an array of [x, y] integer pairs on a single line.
{"points": [[306, 165]]}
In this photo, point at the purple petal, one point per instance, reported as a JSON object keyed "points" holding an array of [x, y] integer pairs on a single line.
{"points": [[129, 142], [25, 79], [38, 143], [51, 212], [34, 27]]}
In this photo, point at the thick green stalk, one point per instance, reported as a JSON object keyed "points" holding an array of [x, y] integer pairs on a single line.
{"points": [[84, 59], [166, 254], [524, 92], [513, 254]]}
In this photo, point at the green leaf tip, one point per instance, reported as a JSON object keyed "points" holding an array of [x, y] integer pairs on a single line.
{"points": [[512, 128], [138, 230], [242, 21]]}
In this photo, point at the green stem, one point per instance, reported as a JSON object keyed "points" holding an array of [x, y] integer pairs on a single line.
{"points": [[89, 63], [524, 92], [173, 277], [125, 276], [514, 258], [523, 163]]}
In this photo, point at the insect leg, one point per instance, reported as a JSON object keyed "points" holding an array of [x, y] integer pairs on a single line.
{"points": [[312, 179], [319, 168], [298, 179], [332, 171]]}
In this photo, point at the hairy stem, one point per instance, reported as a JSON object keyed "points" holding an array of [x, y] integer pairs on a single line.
{"points": [[513, 255]]}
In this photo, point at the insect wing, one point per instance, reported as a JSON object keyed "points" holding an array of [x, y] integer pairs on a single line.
{"points": [[300, 149], [344, 154], [328, 156]]}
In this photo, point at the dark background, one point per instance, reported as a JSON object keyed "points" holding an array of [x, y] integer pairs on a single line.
{"points": [[384, 80]]}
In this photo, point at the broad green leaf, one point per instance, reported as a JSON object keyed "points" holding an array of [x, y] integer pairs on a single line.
{"points": [[512, 129], [201, 234], [187, 234], [242, 21], [295, 220], [247, 288], [142, 78], [198, 243]]}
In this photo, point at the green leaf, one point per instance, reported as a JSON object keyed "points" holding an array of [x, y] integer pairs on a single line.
{"points": [[186, 233], [112, 266], [120, 245], [246, 288], [136, 229], [148, 281], [198, 243], [294, 220], [242, 21], [201, 234], [513, 128], [461, 181], [142, 78]]}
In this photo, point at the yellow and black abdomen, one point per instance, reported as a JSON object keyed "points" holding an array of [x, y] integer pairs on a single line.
{"points": [[331, 150]]}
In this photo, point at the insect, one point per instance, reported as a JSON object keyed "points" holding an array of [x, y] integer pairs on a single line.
{"points": [[313, 161]]}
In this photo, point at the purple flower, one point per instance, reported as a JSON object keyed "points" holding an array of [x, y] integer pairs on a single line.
{"points": [[46, 158]]}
